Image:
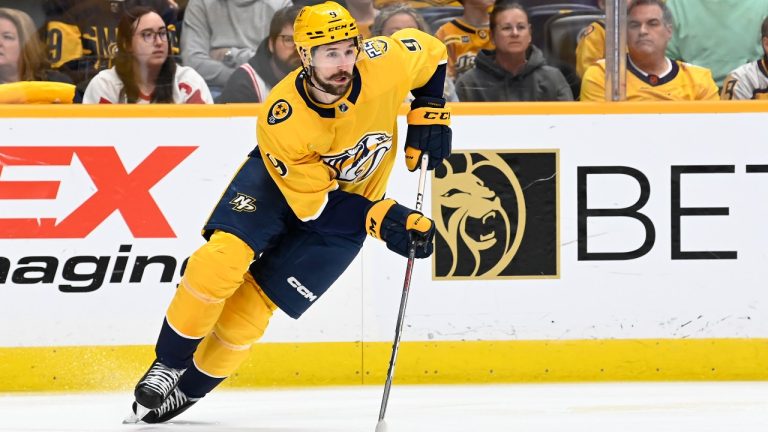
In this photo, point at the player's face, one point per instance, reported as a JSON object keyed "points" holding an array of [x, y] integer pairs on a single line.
{"points": [[333, 65], [398, 22], [10, 47], [512, 34], [284, 50], [647, 33], [150, 40]]}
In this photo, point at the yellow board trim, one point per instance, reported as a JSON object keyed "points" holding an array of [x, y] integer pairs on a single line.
{"points": [[461, 109], [94, 368]]}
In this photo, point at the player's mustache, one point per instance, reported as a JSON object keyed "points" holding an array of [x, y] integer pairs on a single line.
{"points": [[341, 75]]}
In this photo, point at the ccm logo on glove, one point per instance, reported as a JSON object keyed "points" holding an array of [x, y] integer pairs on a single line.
{"points": [[433, 115]]}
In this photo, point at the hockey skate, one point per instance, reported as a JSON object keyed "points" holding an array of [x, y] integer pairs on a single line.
{"points": [[176, 403], [155, 386]]}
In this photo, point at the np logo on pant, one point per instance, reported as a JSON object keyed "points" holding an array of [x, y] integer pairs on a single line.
{"points": [[496, 215], [243, 203]]}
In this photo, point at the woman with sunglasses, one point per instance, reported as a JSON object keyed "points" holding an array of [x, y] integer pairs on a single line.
{"points": [[144, 72]]}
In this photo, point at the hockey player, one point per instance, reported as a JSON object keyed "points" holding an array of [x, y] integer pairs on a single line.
{"points": [[296, 213]]}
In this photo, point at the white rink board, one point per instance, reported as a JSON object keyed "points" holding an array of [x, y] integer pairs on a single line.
{"points": [[652, 296]]}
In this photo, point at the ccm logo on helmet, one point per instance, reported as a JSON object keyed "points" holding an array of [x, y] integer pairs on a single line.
{"points": [[337, 27]]}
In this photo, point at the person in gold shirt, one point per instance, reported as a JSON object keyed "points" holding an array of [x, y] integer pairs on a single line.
{"points": [[591, 45], [465, 36], [296, 213], [650, 74]]}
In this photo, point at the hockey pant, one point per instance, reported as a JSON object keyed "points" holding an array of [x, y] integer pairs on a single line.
{"points": [[219, 306]]}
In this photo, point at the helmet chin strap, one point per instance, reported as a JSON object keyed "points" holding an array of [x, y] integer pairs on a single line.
{"points": [[308, 75]]}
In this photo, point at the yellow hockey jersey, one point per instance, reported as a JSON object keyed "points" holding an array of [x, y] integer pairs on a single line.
{"points": [[684, 82], [591, 46], [311, 149], [463, 42]]}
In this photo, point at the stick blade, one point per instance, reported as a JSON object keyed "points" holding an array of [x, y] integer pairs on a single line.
{"points": [[381, 426]]}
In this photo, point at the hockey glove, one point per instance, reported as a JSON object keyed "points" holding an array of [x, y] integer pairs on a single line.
{"points": [[428, 131], [398, 225]]}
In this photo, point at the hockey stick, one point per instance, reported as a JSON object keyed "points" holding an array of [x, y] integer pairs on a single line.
{"points": [[381, 426]]}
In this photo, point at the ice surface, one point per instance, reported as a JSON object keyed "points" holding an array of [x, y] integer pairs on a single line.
{"points": [[625, 407]]}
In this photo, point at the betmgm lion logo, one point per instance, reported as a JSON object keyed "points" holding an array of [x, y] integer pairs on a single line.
{"points": [[358, 162], [496, 215]]}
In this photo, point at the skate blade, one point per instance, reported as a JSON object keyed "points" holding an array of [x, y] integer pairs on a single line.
{"points": [[131, 419], [136, 417]]}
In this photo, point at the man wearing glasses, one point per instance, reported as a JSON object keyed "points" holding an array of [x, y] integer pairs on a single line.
{"points": [[274, 59]]}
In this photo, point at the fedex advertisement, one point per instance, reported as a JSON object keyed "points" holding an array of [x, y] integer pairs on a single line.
{"points": [[94, 210]]}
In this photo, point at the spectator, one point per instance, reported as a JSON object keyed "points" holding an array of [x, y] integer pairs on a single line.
{"points": [[274, 59], [711, 33], [364, 13], [144, 71], [465, 36], [749, 81], [516, 69], [82, 34], [219, 36], [23, 64], [398, 16], [591, 45], [650, 74], [417, 4]]}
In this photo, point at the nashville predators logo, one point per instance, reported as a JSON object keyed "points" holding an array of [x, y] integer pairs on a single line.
{"points": [[357, 163], [493, 218], [280, 111], [243, 203]]}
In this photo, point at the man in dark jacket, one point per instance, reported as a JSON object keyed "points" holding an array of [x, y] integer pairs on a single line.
{"points": [[274, 59], [516, 70]]}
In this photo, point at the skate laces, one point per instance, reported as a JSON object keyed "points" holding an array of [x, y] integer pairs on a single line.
{"points": [[161, 378], [174, 401]]}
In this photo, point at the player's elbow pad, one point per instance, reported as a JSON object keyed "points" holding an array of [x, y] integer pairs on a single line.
{"points": [[398, 226], [428, 131]]}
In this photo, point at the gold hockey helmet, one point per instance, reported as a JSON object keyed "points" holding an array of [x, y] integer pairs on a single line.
{"points": [[322, 24]]}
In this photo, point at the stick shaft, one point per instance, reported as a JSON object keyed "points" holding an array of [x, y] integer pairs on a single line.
{"points": [[406, 290]]}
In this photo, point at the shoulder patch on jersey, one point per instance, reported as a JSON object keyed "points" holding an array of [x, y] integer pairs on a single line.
{"points": [[585, 32], [375, 47], [279, 112], [243, 203]]}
